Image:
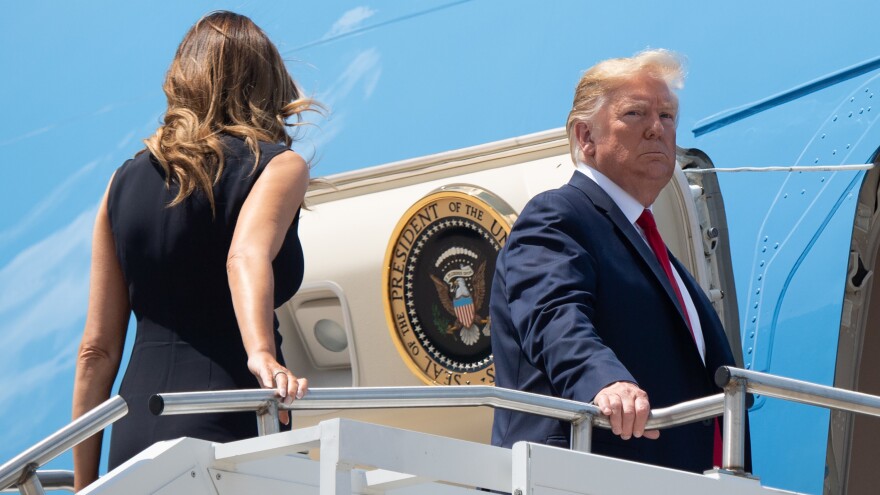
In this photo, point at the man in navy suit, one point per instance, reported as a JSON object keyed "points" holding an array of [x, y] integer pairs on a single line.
{"points": [[587, 303]]}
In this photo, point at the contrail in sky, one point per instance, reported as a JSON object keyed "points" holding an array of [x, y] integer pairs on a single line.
{"points": [[364, 29]]}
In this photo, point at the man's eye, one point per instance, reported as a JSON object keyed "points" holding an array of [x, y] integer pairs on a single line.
{"points": [[667, 116]]}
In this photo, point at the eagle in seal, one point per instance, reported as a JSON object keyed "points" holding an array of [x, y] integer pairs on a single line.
{"points": [[461, 303]]}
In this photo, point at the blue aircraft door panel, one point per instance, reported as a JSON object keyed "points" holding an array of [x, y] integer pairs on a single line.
{"points": [[790, 236]]}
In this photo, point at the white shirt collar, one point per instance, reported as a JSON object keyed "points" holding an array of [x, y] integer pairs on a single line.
{"points": [[629, 205]]}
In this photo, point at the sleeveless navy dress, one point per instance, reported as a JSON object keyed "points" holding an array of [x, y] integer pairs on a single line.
{"points": [[174, 263]]}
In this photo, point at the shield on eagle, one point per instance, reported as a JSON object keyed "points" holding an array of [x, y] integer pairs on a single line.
{"points": [[460, 300], [464, 310]]}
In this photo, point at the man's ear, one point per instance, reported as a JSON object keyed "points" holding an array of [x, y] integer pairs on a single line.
{"points": [[584, 135]]}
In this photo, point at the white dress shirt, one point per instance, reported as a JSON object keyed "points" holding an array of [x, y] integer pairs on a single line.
{"points": [[632, 210]]}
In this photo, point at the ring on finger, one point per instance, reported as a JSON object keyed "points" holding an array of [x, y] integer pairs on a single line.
{"points": [[279, 372]]}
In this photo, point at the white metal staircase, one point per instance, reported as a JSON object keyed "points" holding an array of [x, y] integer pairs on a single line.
{"points": [[342, 456]]}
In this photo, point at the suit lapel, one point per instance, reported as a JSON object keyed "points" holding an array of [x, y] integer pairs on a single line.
{"points": [[714, 336], [604, 203]]}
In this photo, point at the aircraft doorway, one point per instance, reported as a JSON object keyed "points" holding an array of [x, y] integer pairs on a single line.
{"points": [[853, 439]]}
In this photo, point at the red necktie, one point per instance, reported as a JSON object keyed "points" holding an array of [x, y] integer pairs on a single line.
{"points": [[652, 235]]}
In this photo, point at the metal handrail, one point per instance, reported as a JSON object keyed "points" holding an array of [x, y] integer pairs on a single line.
{"points": [[738, 382], [50, 479], [20, 469], [800, 391], [581, 415]]}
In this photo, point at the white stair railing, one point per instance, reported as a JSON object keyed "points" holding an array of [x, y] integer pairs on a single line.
{"points": [[581, 415], [737, 383], [22, 469]]}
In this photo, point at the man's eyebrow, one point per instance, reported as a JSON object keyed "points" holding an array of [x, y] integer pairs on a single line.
{"points": [[631, 100]]}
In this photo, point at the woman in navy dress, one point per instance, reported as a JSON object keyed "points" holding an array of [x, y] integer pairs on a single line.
{"points": [[197, 236]]}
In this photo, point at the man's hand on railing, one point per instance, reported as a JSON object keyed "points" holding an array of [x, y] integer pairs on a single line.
{"points": [[627, 408]]}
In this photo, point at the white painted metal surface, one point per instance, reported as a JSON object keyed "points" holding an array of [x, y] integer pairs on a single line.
{"points": [[542, 470], [346, 457]]}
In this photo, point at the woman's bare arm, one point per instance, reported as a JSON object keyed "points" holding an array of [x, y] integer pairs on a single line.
{"points": [[265, 218], [103, 338]]}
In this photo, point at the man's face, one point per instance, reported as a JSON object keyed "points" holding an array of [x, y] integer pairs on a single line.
{"points": [[632, 138]]}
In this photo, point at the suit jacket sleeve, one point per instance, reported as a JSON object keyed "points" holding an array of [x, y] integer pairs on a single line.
{"points": [[551, 280]]}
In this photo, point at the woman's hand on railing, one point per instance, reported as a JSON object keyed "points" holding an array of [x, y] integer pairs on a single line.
{"points": [[271, 374]]}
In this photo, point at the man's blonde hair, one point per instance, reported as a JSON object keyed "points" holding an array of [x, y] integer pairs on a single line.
{"points": [[600, 80]]}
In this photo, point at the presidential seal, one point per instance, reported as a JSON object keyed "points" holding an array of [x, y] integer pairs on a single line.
{"points": [[438, 274]]}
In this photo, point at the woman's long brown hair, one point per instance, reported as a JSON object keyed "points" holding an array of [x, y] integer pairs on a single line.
{"points": [[227, 77]]}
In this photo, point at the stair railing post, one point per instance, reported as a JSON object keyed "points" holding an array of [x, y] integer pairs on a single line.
{"points": [[582, 434], [267, 419], [733, 452], [29, 484]]}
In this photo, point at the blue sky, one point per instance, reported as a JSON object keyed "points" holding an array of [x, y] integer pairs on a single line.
{"points": [[82, 88]]}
